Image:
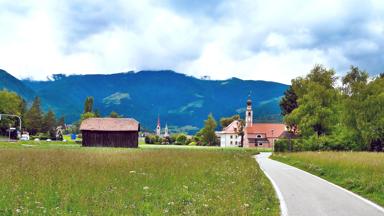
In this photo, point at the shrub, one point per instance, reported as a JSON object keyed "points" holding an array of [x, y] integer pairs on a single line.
{"points": [[181, 139]]}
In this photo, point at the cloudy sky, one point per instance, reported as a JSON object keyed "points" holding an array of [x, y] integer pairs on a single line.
{"points": [[251, 39]]}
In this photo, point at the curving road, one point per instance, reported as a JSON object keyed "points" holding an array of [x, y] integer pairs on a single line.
{"points": [[302, 193]]}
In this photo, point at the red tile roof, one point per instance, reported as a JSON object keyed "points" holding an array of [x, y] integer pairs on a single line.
{"points": [[110, 124], [266, 128]]}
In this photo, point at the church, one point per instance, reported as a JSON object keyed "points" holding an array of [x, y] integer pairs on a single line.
{"points": [[255, 134], [158, 129]]}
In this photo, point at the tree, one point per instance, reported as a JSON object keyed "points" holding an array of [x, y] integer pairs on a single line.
{"points": [[287, 104], [87, 115], [10, 103], [114, 114], [225, 121], [49, 124], [207, 134], [317, 102], [34, 117], [61, 122], [181, 139], [88, 105]]}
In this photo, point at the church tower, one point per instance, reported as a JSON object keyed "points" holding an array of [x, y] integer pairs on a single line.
{"points": [[158, 128], [166, 133], [249, 113]]}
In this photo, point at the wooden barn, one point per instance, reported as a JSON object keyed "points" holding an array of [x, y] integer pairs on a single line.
{"points": [[110, 132]]}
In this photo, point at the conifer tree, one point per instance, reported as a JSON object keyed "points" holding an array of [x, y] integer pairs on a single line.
{"points": [[34, 117]]}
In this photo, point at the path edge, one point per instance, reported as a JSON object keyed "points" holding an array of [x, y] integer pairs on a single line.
{"points": [[369, 202], [283, 205]]}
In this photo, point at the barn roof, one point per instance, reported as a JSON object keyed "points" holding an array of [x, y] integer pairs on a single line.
{"points": [[110, 124], [267, 129]]}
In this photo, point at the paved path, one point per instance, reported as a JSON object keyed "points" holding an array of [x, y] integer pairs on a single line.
{"points": [[301, 193]]}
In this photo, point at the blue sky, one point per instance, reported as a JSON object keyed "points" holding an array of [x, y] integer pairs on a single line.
{"points": [[273, 40]]}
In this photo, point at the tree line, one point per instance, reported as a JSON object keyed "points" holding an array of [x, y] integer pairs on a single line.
{"points": [[325, 114], [34, 120]]}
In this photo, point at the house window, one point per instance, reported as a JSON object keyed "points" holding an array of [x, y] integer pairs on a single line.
{"points": [[231, 137], [260, 144], [236, 142], [231, 142], [258, 136], [249, 113]]}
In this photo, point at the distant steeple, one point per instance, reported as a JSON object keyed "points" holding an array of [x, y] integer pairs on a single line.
{"points": [[249, 112], [158, 127], [166, 134]]}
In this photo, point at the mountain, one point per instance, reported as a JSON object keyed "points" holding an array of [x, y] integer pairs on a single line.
{"points": [[9, 82], [181, 101]]}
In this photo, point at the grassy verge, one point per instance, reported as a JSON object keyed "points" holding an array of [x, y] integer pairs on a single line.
{"points": [[360, 172], [66, 179]]}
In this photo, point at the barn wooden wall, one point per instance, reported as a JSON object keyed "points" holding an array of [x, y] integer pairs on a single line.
{"points": [[111, 138]]}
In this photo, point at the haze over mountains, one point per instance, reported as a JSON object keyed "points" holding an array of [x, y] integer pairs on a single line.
{"points": [[181, 101]]}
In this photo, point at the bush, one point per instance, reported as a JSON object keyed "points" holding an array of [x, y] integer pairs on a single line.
{"points": [[181, 139], [322, 143], [192, 144]]}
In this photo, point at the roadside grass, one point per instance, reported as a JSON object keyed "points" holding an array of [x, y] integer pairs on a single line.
{"points": [[67, 179], [360, 172]]}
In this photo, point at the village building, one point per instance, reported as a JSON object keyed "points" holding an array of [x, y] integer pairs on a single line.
{"points": [[229, 136], [110, 132], [255, 134], [260, 134]]}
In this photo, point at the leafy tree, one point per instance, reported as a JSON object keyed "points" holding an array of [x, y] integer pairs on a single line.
{"points": [[10, 103], [181, 139], [34, 117], [87, 115], [225, 121], [207, 134], [88, 105], [317, 102], [114, 114]]}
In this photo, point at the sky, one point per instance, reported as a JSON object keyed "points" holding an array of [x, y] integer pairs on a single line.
{"points": [[275, 40]]}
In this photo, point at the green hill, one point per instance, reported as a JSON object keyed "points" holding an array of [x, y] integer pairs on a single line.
{"points": [[179, 100], [9, 82]]}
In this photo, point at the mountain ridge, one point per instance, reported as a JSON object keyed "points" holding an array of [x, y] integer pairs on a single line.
{"points": [[180, 100]]}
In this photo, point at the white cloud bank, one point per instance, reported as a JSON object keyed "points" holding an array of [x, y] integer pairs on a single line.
{"points": [[273, 40]]}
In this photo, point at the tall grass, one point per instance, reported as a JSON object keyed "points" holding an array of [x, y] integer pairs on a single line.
{"points": [[104, 181], [360, 172]]}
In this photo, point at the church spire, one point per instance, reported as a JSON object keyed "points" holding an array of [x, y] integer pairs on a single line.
{"points": [[166, 133], [158, 127], [249, 112]]}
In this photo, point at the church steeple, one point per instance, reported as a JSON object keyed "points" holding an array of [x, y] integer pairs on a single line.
{"points": [[166, 133], [158, 127], [249, 113]]}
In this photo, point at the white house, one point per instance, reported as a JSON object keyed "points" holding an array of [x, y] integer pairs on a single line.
{"points": [[229, 136]]}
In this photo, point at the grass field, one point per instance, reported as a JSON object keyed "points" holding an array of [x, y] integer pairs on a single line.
{"points": [[66, 179], [360, 172]]}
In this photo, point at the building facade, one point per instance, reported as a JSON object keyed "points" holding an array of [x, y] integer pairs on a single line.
{"points": [[110, 132], [229, 136], [260, 134]]}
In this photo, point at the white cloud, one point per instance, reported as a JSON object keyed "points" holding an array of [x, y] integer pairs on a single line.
{"points": [[268, 40]]}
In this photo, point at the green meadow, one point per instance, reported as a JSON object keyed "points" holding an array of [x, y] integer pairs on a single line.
{"points": [[360, 172], [66, 179]]}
